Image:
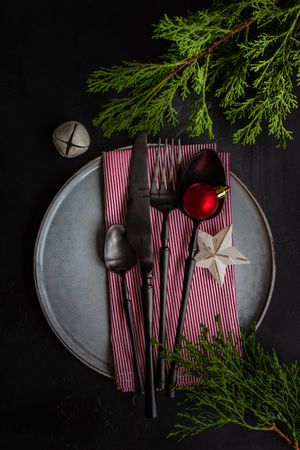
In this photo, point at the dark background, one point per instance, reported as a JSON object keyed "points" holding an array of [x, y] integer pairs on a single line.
{"points": [[50, 400]]}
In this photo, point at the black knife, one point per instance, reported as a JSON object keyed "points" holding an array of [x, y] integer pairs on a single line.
{"points": [[138, 234]]}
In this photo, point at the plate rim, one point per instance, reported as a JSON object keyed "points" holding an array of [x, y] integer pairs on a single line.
{"points": [[63, 337], [84, 171], [272, 249]]}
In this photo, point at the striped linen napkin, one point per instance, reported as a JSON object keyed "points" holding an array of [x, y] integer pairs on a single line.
{"points": [[207, 298]]}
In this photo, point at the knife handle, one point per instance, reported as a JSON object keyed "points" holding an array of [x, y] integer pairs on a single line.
{"points": [[147, 293], [129, 318], [188, 276], [160, 379]]}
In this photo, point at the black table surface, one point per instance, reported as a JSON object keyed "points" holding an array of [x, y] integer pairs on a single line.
{"points": [[49, 399]]}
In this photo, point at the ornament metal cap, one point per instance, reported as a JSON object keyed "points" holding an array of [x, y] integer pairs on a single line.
{"points": [[221, 191]]}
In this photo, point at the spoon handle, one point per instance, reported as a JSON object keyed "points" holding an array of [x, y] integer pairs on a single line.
{"points": [[188, 276], [129, 318]]}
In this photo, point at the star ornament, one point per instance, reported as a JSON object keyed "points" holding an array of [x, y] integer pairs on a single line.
{"points": [[215, 253]]}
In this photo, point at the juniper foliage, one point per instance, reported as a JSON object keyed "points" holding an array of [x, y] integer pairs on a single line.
{"points": [[246, 53], [250, 388]]}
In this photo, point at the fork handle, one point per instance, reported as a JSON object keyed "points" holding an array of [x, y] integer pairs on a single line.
{"points": [[164, 263]]}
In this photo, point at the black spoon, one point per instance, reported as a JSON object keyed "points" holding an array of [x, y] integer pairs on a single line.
{"points": [[206, 167], [119, 257]]}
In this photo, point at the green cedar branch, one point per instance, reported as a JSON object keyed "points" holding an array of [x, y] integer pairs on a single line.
{"points": [[213, 46], [250, 388], [247, 53]]}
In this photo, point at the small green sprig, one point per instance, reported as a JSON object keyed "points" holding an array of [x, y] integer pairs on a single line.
{"points": [[238, 384], [246, 53]]}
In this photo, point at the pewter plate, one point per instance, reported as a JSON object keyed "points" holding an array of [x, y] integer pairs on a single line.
{"points": [[70, 276]]}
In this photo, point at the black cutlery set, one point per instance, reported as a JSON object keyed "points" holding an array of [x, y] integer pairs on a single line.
{"points": [[125, 246]]}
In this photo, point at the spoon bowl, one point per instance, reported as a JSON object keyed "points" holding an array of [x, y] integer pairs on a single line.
{"points": [[119, 256], [206, 167]]}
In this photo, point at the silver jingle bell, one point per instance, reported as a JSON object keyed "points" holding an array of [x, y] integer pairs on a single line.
{"points": [[71, 139]]}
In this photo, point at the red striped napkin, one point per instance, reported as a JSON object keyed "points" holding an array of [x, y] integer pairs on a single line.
{"points": [[207, 298]]}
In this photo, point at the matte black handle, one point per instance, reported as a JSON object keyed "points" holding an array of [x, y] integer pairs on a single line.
{"points": [[172, 379], [188, 276], [147, 294], [129, 317], [164, 252]]}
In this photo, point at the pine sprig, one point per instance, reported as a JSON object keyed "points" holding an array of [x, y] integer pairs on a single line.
{"points": [[247, 53], [250, 388]]}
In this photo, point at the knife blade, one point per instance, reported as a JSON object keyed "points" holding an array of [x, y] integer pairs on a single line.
{"points": [[138, 234], [138, 228]]}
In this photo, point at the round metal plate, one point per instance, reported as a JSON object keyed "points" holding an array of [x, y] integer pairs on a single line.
{"points": [[70, 276]]}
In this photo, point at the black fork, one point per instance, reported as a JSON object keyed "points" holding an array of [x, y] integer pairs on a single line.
{"points": [[163, 197]]}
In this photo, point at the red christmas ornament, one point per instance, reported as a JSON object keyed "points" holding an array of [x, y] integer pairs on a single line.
{"points": [[201, 201]]}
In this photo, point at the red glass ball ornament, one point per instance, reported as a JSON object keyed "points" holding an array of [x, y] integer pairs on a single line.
{"points": [[200, 201]]}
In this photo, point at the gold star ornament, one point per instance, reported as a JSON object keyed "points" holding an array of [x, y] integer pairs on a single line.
{"points": [[215, 253]]}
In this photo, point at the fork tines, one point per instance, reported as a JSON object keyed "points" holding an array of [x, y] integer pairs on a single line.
{"points": [[174, 162]]}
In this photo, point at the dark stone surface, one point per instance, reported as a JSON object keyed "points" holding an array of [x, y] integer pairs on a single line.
{"points": [[49, 400]]}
